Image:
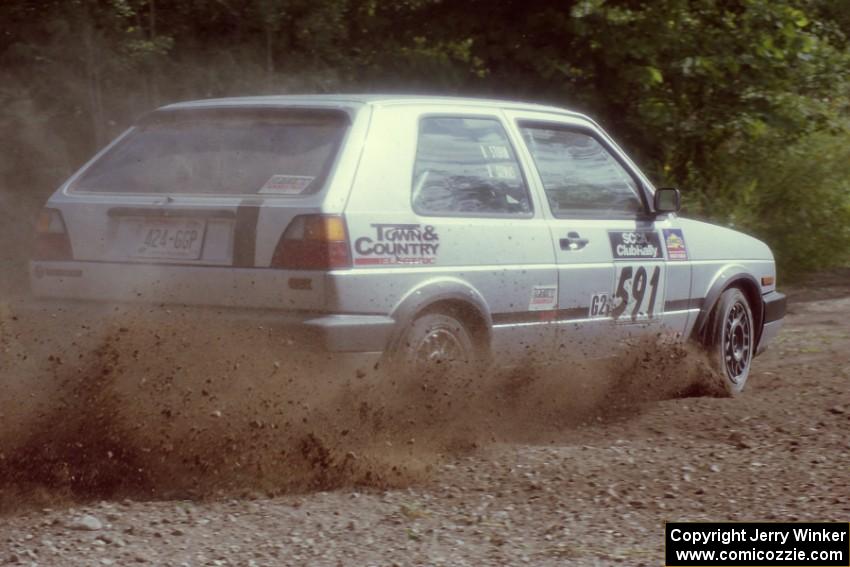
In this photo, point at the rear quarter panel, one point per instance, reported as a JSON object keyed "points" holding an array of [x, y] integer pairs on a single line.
{"points": [[226, 274]]}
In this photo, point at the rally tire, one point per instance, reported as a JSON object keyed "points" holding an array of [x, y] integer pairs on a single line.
{"points": [[435, 352], [731, 342]]}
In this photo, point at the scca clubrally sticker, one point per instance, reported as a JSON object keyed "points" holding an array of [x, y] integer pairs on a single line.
{"points": [[398, 244], [674, 240], [635, 245]]}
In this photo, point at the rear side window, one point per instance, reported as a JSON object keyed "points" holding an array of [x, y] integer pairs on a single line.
{"points": [[466, 166], [579, 174], [221, 152]]}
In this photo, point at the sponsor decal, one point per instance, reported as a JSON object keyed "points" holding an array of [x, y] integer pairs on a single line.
{"points": [[635, 245], [543, 298], [286, 184], [40, 271], [398, 244], [674, 240]]}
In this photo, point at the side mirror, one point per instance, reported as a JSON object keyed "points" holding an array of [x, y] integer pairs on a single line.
{"points": [[667, 200]]}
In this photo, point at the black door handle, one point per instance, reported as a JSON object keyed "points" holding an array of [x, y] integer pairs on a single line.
{"points": [[573, 241]]}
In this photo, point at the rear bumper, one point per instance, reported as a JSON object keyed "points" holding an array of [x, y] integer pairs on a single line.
{"points": [[351, 333], [321, 332], [775, 306], [283, 300]]}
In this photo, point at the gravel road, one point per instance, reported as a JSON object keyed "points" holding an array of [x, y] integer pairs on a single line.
{"points": [[522, 483]]}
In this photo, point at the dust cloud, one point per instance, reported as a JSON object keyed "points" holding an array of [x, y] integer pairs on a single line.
{"points": [[143, 402]]}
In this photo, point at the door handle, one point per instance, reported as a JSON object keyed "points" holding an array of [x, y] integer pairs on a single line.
{"points": [[573, 241]]}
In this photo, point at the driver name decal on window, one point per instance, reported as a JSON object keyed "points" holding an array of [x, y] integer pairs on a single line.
{"points": [[495, 152], [580, 175], [467, 167], [502, 171]]}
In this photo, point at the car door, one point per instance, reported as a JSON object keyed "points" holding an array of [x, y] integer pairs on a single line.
{"points": [[612, 269], [454, 172]]}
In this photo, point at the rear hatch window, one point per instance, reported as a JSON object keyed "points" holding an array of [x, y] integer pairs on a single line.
{"points": [[222, 152]]}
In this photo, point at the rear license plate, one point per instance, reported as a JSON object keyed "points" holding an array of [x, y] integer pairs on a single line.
{"points": [[162, 238]]}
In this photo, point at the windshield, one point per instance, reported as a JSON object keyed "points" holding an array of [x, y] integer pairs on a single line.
{"points": [[222, 152]]}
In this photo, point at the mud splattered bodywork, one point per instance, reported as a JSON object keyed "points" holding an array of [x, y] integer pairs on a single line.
{"points": [[350, 217]]}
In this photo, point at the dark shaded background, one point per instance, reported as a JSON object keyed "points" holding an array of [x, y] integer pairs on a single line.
{"points": [[741, 103]]}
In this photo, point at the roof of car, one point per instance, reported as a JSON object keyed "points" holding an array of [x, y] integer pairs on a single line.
{"points": [[361, 100]]}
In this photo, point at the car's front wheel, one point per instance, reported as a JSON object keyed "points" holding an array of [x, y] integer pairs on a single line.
{"points": [[732, 340]]}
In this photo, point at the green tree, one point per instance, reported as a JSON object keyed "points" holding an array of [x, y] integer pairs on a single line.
{"points": [[708, 94]]}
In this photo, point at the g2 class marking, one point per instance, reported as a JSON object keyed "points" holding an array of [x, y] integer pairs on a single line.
{"points": [[600, 305]]}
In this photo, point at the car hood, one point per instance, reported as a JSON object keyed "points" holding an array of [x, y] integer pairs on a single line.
{"points": [[711, 242]]}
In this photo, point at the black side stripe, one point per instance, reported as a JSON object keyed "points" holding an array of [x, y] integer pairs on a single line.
{"points": [[578, 313], [537, 316], [683, 304], [245, 233]]}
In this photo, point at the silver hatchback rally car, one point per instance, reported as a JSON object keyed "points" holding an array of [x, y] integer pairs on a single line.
{"points": [[428, 230]]}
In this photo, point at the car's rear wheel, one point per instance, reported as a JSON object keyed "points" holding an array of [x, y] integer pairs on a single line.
{"points": [[732, 340], [436, 352]]}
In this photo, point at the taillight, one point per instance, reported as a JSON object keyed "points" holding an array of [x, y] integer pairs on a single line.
{"points": [[51, 237], [313, 242]]}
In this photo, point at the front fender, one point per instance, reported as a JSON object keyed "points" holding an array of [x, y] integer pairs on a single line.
{"points": [[731, 276]]}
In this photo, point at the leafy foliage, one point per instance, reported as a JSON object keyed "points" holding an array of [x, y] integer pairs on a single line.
{"points": [[724, 98], [798, 200]]}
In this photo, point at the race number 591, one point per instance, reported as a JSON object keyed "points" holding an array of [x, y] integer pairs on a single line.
{"points": [[638, 292]]}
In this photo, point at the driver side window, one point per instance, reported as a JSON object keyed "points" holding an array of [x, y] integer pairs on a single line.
{"points": [[579, 174], [467, 167]]}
